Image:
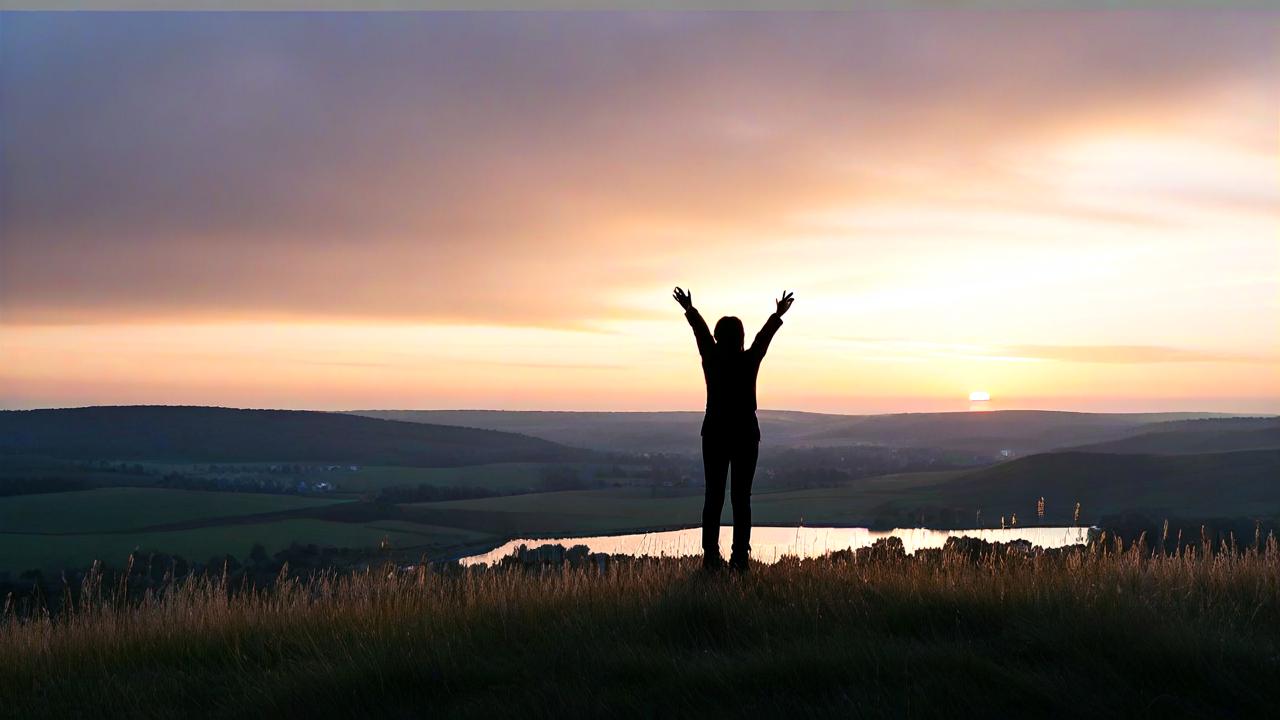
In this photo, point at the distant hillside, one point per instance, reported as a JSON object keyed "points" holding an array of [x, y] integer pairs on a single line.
{"points": [[611, 431], [1197, 436], [1021, 431], [175, 433], [1243, 483]]}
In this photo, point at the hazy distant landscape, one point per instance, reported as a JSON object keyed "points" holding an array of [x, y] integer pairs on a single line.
{"points": [[1021, 431], [200, 485]]}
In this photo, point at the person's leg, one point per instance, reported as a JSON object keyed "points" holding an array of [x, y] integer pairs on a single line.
{"points": [[715, 469], [745, 454]]}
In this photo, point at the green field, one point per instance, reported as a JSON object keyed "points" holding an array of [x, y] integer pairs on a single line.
{"points": [[70, 530], [852, 504], [434, 532], [612, 510], [574, 511], [128, 508]]}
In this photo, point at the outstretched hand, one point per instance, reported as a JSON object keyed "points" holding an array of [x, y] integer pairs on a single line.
{"points": [[684, 298], [785, 303]]}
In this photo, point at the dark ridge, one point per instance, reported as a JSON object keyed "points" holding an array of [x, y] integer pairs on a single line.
{"points": [[188, 433], [1228, 484], [1197, 436]]}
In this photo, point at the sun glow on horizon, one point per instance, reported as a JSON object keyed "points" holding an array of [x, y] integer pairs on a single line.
{"points": [[980, 401]]}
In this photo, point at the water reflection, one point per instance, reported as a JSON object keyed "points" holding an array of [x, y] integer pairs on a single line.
{"points": [[768, 544]]}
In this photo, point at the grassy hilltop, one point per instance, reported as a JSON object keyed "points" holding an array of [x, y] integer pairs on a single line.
{"points": [[962, 632]]}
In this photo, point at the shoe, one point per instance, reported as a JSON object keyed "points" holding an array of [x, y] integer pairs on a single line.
{"points": [[712, 563], [739, 563]]}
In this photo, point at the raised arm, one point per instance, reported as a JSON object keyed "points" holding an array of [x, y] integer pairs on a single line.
{"points": [[701, 332], [761, 344]]}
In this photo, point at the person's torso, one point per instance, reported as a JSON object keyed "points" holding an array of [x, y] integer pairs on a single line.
{"points": [[731, 384]]}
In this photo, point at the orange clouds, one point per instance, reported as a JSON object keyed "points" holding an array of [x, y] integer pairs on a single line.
{"points": [[1083, 188]]}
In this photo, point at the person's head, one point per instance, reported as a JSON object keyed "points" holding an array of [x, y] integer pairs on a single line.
{"points": [[729, 333]]}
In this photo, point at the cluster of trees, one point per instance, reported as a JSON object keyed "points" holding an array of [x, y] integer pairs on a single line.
{"points": [[121, 467], [247, 484], [554, 478], [433, 493], [553, 555], [283, 469], [149, 570]]}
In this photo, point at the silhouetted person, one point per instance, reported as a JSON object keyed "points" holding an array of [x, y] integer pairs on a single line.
{"points": [[730, 431]]}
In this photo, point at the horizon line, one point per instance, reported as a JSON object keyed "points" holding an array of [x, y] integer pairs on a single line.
{"points": [[1224, 413]]}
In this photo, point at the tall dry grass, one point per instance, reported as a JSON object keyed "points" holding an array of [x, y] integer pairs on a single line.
{"points": [[965, 630]]}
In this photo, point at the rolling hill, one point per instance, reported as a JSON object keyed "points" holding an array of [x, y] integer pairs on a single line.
{"points": [[1229, 484], [1197, 436], [618, 431], [1020, 431], [183, 433]]}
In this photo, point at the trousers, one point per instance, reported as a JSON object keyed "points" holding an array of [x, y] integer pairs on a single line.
{"points": [[719, 455]]}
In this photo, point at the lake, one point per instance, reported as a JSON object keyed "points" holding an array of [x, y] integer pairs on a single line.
{"points": [[768, 544]]}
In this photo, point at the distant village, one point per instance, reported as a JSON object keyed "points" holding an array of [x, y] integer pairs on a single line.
{"points": [[276, 478]]}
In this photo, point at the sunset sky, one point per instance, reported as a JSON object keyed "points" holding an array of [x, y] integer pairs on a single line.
{"points": [[1071, 210]]}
